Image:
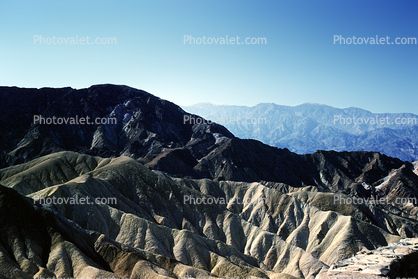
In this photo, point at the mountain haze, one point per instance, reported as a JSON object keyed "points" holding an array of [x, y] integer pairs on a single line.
{"points": [[310, 127]]}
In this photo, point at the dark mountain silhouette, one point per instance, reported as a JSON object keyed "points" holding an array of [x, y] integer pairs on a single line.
{"points": [[145, 125]]}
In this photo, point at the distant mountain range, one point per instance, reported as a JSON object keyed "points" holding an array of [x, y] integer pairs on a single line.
{"points": [[310, 127], [190, 199]]}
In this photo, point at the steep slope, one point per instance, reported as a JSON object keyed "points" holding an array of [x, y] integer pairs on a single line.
{"points": [[33, 242], [326, 235], [130, 121], [18, 107], [143, 223], [150, 218]]}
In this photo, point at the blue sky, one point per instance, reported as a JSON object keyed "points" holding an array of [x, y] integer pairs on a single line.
{"points": [[300, 63]]}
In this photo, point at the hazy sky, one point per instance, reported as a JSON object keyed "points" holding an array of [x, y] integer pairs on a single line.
{"points": [[300, 62]]}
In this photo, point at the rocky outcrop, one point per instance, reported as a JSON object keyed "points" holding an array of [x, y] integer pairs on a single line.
{"points": [[397, 260]]}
